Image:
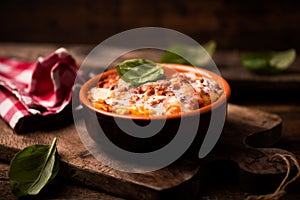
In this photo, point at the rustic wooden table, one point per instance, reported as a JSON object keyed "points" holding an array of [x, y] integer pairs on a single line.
{"points": [[283, 100]]}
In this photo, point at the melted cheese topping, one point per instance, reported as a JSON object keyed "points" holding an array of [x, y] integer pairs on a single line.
{"points": [[183, 92]]}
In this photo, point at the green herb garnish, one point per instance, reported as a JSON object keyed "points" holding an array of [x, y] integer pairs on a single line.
{"points": [[190, 55], [139, 71], [269, 62], [32, 168]]}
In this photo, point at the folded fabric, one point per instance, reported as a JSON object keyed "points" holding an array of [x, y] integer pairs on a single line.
{"points": [[35, 90]]}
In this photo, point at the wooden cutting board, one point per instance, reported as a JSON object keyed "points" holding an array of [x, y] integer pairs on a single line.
{"points": [[245, 130]]}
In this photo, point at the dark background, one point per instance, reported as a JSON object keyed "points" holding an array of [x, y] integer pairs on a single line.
{"points": [[242, 25], [234, 24]]}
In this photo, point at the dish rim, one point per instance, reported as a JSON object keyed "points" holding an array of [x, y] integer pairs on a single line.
{"points": [[83, 94]]}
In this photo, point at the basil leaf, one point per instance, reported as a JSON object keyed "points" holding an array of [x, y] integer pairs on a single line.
{"points": [[268, 62], [139, 71], [190, 55], [210, 47], [282, 60], [32, 168]]}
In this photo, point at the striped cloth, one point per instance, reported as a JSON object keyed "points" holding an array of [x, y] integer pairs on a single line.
{"points": [[30, 91]]}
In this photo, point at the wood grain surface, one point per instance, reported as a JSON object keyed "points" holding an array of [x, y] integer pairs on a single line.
{"points": [[235, 24], [222, 181], [78, 164], [228, 63]]}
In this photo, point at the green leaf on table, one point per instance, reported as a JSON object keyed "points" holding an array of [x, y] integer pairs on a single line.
{"points": [[190, 55], [32, 168], [210, 47], [139, 71], [268, 62]]}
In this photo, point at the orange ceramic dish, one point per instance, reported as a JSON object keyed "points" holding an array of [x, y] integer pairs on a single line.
{"points": [[101, 120]]}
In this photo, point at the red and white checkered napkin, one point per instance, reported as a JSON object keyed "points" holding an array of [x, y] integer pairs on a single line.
{"points": [[30, 91]]}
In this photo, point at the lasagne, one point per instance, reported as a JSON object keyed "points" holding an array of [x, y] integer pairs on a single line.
{"points": [[181, 92]]}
